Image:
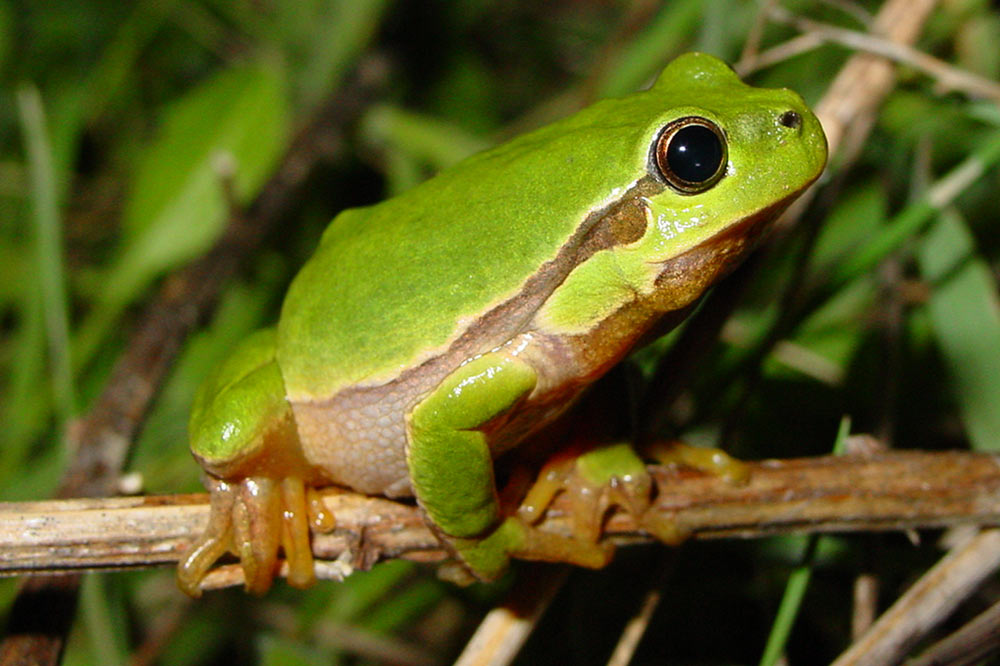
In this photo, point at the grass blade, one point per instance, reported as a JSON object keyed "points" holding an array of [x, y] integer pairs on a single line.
{"points": [[48, 245], [798, 582]]}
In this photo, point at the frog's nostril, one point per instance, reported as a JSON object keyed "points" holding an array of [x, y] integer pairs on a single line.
{"points": [[790, 119]]}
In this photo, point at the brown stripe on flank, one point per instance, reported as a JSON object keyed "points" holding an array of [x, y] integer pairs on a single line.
{"points": [[621, 223]]}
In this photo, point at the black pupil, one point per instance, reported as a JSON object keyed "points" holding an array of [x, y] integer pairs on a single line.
{"points": [[694, 154]]}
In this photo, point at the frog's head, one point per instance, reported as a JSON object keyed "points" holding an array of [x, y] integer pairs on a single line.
{"points": [[731, 156], [715, 162]]}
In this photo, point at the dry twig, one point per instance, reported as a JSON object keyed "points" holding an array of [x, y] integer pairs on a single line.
{"points": [[949, 78], [502, 632], [927, 603], [889, 491], [972, 644]]}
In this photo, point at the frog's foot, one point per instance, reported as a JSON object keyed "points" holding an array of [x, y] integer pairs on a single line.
{"points": [[595, 482], [252, 519], [715, 462]]}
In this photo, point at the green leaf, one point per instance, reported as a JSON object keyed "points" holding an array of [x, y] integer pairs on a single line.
{"points": [[919, 213], [858, 216], [965, 314], [178, 206], [427, 139], [324, 39]]}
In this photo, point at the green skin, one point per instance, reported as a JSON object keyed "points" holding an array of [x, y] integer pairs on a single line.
{"points": [[433, 331]]}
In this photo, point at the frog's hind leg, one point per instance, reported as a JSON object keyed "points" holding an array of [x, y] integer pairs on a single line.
{"points": [[243, 432], [595, 481], [597, 470]]}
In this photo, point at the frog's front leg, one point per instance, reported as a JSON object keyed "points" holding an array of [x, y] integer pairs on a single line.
{"points": [[451, 469]]}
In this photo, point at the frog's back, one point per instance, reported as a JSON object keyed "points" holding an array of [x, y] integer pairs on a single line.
{"points": [[393, 284]]}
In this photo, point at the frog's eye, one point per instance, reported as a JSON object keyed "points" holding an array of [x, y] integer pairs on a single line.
{"points": [[690, 154]]}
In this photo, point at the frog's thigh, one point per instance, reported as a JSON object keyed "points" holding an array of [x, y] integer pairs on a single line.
{"points": [[449, 459]]}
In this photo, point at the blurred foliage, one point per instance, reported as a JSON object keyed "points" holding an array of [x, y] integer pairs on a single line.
{"points": [[118, 122]]}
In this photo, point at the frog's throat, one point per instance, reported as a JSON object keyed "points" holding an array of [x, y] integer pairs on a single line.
{"points": [[699, 267], [680, 282]]}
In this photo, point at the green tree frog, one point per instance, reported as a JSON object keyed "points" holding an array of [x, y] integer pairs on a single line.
{"points": [[434, 331]]}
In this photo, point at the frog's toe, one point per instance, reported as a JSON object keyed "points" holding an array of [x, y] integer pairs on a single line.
{"points": [[257, 531], [708, 460], [212, 544], [715, 462], [537, 544], [303, 511]]}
